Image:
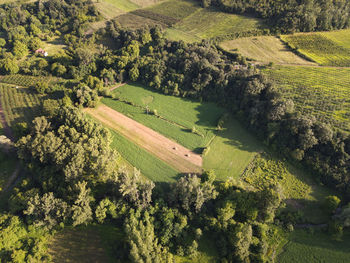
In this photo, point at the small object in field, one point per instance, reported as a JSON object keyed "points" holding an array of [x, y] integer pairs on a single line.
{"points": [[16, 87], [175, 148], [187, 155]]}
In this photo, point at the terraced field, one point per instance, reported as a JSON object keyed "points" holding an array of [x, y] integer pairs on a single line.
{"points": [[325, 48], [264, 49], [321, 91]]}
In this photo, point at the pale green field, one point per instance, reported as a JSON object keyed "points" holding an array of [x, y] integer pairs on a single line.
{"points": [[264, 49], [208, 23]]}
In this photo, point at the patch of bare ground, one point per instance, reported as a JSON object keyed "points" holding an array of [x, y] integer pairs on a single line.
{"points": [[174, 154]]}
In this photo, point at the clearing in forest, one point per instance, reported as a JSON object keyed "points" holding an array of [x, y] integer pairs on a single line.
{"points": [[165, 149], [264, 49], [325, 48]]}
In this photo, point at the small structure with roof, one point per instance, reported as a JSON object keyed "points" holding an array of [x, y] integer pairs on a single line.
{"points": [[41, 52]]}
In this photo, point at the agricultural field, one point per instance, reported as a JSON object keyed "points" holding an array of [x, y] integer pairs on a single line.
{"points": [[321, 91], [299, 189], [92, 243], [264, 49], [325, 48], [187, 20], [26, 81], [166, 150], [19, 104], [8, 165], [177, 117], [307, 247], [209, 23]]}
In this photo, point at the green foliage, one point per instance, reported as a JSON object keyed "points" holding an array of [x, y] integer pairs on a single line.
{"points": [[46, 211], [81, 210], [21, 244], [41, 87], [143, 241], [331, 203], [190, 193]]}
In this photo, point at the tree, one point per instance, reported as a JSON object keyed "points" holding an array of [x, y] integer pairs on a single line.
{"points": [[135, 189], [81, 210], [143, 241], [190, 193], [41, 87], [331, 203], [46, 210], [9, 66], [20, 49]]}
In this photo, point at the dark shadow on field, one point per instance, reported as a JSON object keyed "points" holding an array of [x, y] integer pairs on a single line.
{"points": [[320, 238], [233, 132]]}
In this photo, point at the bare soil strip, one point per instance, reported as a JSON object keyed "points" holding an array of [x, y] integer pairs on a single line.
{"points": [[174, 154]]}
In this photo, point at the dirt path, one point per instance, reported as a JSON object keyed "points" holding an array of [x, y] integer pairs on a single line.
{"points": [[117, 86], [177, 156]]}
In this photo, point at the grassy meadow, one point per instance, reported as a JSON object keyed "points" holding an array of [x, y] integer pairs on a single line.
{"points": [[325, 48], [231, 151], [264, 49], [321, 91], [306, 247]]}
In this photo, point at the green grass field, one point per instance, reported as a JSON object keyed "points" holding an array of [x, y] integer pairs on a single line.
{"points": [[149, 165], [325, 48], [304, 247], [181, 115], [231, 151], [264, 49], [19, 104], [323, 92]]}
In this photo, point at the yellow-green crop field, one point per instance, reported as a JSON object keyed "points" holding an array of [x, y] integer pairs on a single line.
{"points": [[321, 91], [325, 48]]}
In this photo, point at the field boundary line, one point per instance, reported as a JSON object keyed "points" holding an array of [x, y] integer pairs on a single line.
{"points": [[165, 149]]}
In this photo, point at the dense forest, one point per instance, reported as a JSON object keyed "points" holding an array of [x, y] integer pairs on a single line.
{"points": [[73, 176], [292, 15]]}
